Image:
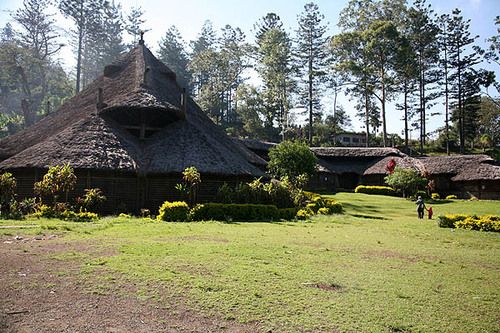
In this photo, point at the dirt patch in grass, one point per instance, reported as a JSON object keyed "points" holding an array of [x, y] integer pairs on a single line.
{"points": [[387, 254], [43, 294], [195, 238]]}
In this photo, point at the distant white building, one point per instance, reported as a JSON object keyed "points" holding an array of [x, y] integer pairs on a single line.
{"points": [[351, 139]]}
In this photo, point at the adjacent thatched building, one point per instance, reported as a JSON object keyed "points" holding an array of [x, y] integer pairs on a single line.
{"points": [[345, 168], [131, 133], [464, 175]]}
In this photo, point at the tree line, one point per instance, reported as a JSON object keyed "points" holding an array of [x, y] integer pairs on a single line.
{"points": [[386, 51]]}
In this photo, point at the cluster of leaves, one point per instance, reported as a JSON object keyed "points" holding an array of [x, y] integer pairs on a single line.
{"points": [[281, 193], [191, 180], [59, 179], [293, 160], [407, 181]]}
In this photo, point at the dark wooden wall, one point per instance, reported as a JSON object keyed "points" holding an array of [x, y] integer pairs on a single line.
{"points": [[128, 192]]}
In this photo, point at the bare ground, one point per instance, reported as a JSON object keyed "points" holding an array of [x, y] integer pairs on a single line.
{"points": [[36, 297]]}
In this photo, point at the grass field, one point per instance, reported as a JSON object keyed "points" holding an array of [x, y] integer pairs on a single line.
{"points": [[376, 268]]}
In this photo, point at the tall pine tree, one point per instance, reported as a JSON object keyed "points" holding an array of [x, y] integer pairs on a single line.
{"points": [[311, 54]]}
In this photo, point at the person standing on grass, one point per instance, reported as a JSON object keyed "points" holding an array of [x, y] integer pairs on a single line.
{"points": [[420, 207]]}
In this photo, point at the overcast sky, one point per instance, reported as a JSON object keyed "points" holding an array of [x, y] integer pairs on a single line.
{"points": [[188, 16]]}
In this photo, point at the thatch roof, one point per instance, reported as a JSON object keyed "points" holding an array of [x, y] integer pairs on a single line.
{"points": [[462, 167], [97, 134], [355, 152], [405, 162]]}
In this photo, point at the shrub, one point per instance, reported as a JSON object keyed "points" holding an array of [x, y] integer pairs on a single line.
{"points": [[380, 190], [277, 193], [287, 214], [8, 186], [324, 211], [59, 179], [176, 211], [45, 211], [422, 194], [448, 221], [408, 181], [92, 198], [435, 196], [15, 212], [191, 178], [333, 206], [304, 214], [451, 197], [481, 223], [85, 217], [125, 216], [236, 212], [66, 214], [292, 159]]}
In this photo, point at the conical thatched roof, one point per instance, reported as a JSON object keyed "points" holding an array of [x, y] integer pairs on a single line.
{"points": [[139, 95]]}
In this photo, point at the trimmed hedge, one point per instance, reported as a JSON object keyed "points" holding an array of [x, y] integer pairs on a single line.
{"points": [[237, 212], [380, 190], [479, 223], [173, 211], [451, 197], [435, 196]]}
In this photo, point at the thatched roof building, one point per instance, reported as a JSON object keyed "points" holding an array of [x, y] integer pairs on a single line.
{"points": [[345, 168], [133, 122]]}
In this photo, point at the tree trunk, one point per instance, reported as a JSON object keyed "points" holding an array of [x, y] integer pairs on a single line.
{"points": [[367, 117], [406, 113], [384, 125], [310, 100]]}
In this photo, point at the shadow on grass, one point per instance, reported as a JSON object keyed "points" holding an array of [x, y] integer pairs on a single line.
{"points": [[361, 208], [371, 217]]}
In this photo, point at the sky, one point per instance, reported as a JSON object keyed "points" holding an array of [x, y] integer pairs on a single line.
{"points": [[189, 15]]}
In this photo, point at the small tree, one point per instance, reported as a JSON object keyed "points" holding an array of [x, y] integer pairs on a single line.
{"points": [[292, 159], [60, 179], [407, 181], [192, 179], [8, 186]]}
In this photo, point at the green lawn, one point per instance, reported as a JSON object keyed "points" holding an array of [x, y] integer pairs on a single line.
{"points": [[376, 268]]}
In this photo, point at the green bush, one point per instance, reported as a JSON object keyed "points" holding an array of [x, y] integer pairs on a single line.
{"points": [[66, 214], [304, 214], [335, 207], [422, 194], [380, 190], [435, 196], [451, 197], [292, 159], [481, 223], [59, 179], [324, 211], [448, 221], [176, 211], [236, 212], [408, 181], [92, 199], [8, 186], [287, 214]]}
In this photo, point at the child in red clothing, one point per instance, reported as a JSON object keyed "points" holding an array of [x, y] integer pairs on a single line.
{"points": [[429, 212]]}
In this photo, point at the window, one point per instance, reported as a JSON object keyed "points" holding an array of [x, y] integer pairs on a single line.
{"points": [[346, 139], [355, 140]]}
